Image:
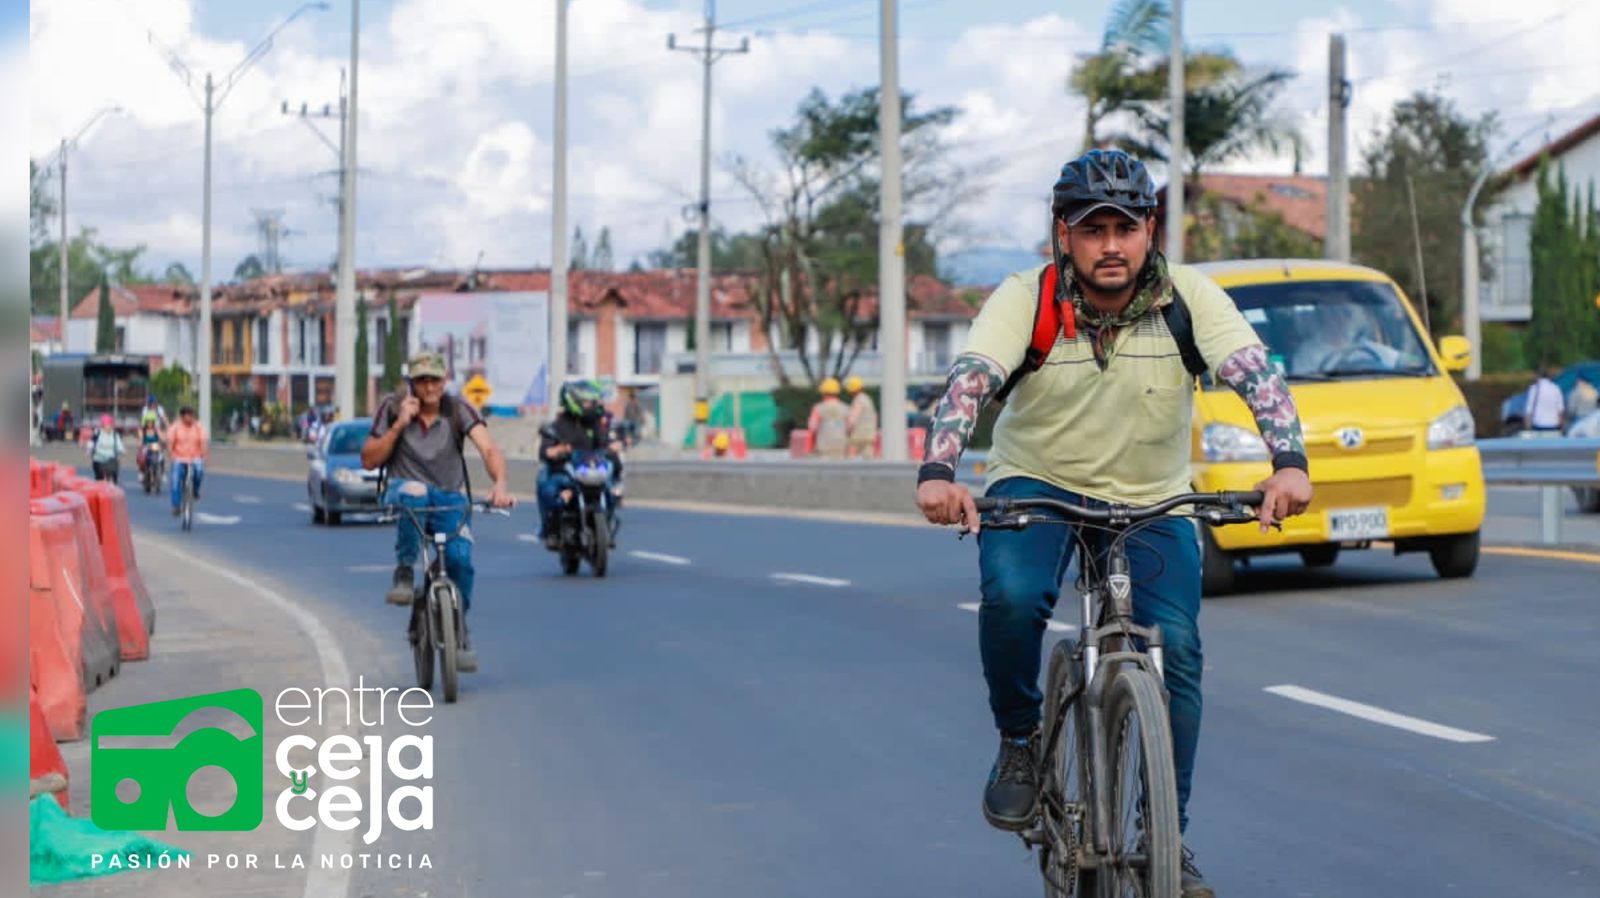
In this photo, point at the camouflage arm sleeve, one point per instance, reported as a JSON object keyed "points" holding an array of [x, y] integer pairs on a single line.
{"points": [[973, 381], [1251, 375]]}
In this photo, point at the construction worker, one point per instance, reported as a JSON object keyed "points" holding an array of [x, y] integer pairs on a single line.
{"points": [[861, 424], [830, 433]]}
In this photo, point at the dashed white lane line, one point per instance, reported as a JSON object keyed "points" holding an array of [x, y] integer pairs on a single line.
{"points": [[247, 500], [1377, 715], [529, 537], [206, 518], [1054, 625], [302, 506], [810, 579], [370, 568], [658, 556]]}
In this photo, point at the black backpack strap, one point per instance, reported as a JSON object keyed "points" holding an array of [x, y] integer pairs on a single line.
{"points": [[1181, 324], [447, 408]]}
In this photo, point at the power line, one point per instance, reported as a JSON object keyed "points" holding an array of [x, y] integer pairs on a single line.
{"points": [[1498, 40]]}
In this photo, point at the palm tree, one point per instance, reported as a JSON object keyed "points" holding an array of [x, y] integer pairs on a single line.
{"points": [[1223, 120]]}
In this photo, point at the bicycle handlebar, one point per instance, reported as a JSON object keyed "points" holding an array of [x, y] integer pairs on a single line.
{"points": [[1221, 508]]}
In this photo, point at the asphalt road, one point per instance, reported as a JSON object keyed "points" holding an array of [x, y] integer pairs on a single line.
{"points": [[692, 725]]}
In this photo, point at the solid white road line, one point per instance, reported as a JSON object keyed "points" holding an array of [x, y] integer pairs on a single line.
{"points": [[1054, 626], [811, 579], [1377, 715], [206, 518], [320, 882], [657, 556]]}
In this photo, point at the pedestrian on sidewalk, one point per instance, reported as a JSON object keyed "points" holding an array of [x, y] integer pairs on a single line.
{"points": [[1546, 408]]}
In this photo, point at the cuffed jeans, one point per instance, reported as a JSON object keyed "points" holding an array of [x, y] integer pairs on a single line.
{"points": [[1022, 572], [548, 488], [407, 542], [178, 470]]}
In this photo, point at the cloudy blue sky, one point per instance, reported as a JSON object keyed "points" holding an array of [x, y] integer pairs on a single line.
{"points": [[455, 127]]}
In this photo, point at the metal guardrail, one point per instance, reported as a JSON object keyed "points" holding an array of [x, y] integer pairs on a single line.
{"points": [[1550, 463]]}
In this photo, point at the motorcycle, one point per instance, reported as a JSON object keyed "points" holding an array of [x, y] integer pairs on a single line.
{"points": [[587, 523], [154, 467]]}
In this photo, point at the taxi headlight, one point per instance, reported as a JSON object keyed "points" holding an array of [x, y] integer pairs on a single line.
{"points": [[1451, 430], [1225, 442]]}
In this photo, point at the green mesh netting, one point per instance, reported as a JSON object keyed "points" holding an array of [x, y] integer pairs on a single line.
{"points": [[758, 415], [63, 848]]}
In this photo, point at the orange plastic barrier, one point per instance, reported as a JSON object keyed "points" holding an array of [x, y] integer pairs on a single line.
{"points": [[39, 478], [60, 628], [916, 443], [801, 443], [737, 447], [44, 758], [76, 557], [135, 616]]}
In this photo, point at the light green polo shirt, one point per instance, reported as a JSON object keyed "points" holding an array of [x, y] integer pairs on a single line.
{"points": [[1122, 434]]}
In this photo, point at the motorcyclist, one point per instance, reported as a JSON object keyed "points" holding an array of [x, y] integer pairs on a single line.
{"points": [[581, 425]]}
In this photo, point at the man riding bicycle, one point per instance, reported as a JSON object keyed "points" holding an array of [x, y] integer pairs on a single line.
{"points": [[1103, 417], [419, 436], [187, 448]]}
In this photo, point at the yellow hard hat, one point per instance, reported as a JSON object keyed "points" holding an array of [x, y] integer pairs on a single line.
{"points": [[720, 442], [829, 386], [853, 384]]}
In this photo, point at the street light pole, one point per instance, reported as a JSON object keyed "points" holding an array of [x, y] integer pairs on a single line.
{"points": [[891, 246], [558, 223], [210, 98], [344, 307], [67, 144], [1471, 318], [1175, 92]]}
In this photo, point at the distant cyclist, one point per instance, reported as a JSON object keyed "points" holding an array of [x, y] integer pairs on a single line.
{"points": [[420, 435], [105, 450], [187, 449]]}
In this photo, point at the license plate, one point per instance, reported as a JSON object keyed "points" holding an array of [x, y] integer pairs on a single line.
{"points": [[1358, 523]]}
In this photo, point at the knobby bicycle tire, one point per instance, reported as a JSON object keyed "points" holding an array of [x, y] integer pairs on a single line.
{"points": [[1140, 741], [1065, 778], [447, 601]]}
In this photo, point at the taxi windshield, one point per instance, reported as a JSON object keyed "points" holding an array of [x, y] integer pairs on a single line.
{"points": [[1333, 330]]}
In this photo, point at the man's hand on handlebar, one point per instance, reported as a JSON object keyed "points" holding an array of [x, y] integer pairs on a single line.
{"points": [[1288, 493], [500, 497], [944, 502]]}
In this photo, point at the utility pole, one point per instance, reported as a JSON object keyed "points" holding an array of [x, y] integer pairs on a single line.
{"points": [[1336, 242], [891, 246], [344, 303], [709, 54], [67, 145], [1175, 95], [342, 204], [558, 225], [210, 98]]}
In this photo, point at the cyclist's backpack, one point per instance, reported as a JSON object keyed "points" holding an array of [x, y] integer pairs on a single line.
{"points": [[1052, 317], [447, 411]]}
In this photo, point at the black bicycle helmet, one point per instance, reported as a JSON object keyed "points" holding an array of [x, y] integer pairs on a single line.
{"points": [[1103, 176]]}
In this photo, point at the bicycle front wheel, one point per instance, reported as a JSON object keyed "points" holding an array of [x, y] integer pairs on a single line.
{"points": [[1065, 795], [448, 602], [187, 513], [1145, 841]]}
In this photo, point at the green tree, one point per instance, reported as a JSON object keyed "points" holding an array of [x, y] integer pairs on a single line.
{"points": [[392, 350], [249, 268], [818, 247], [362, 350], [601, 259], [1222, 230], [105, 330], [178, 273], [88, 260], [172, 388], [578, 258], [1565, 244], [1441, 151]]}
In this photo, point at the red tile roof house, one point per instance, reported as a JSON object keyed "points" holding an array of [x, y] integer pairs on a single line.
{"points": [[1300, 199], [153, 320]]}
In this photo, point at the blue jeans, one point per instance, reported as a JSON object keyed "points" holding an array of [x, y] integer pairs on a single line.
{"points": [[407, 542], [1022, 572], [178, 469], [549, 486]]}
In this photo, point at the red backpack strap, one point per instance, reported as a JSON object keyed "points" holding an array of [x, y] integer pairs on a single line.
{"points": [[1049, 322]]}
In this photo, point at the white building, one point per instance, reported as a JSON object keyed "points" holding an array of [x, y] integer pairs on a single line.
{"points": [[153, 320], [1508, 295]]}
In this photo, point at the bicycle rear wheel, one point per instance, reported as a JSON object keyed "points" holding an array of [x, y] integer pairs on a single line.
{"points": [[1145, 842], [1065, 798], [448, 602], [422, 642], [186, 514]]}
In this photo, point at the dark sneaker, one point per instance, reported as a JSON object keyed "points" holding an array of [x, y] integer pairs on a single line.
{"points": [[1194, 885], [1012, 793], [466, 658], [402, 592]]}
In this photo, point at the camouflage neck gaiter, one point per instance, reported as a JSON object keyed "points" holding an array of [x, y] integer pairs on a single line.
{"points": [[1154, 290]]}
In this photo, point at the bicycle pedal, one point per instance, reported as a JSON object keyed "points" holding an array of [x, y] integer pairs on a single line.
{"points": [[1033, 837]]}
